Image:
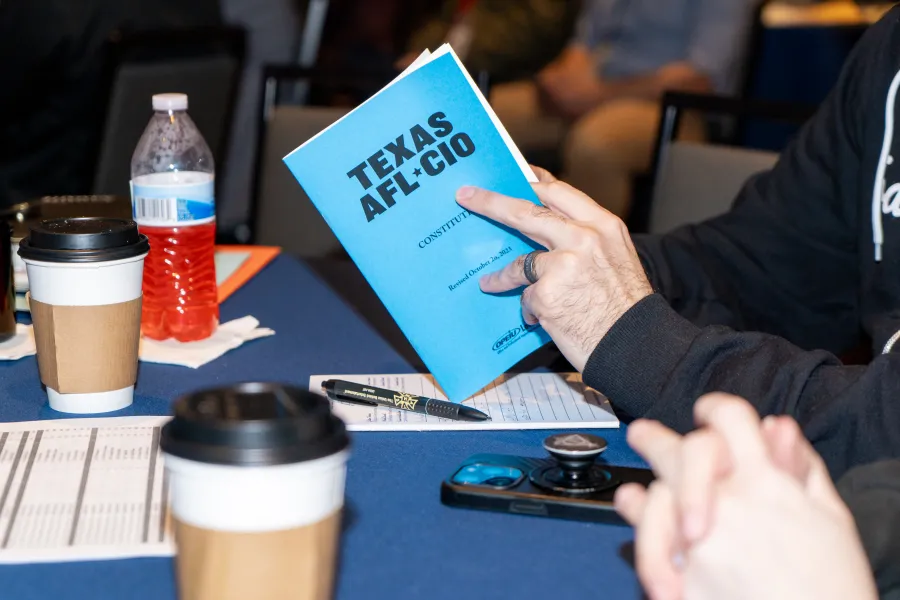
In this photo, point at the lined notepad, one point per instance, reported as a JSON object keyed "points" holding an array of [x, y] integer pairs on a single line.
{"points": [[524, 401]]}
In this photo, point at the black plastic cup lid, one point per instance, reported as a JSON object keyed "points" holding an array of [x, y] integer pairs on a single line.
{"points": [[83, 239], [253, 424]]}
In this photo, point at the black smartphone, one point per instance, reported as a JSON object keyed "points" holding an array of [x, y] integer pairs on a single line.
{"points": [[504, 483]]}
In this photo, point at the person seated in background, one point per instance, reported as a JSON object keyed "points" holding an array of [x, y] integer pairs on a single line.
{"points": [[52, 99], [506, 40], [743, 509], [757, 302], [600, 98]]}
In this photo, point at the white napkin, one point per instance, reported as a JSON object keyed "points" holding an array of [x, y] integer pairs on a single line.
{"points": [[227, 337], [20, 345]]}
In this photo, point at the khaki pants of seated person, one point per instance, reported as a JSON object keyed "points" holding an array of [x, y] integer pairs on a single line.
{"points": [[602, 151]]}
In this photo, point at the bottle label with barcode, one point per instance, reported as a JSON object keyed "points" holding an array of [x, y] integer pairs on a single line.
{"points": [[155, 201]]}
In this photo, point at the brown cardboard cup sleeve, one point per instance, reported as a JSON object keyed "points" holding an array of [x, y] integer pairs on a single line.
{"points": [[87, 349]]}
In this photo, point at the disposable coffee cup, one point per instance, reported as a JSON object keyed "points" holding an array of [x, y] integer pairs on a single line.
{"points": [[84, 279], [256, 474]]}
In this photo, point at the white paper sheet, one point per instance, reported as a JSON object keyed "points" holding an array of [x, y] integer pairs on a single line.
{"points": [[227, 263], [525, 401], [83, 489]]}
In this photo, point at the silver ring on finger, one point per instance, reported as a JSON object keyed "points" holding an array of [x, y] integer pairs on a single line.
{"points": [[529, 266]]}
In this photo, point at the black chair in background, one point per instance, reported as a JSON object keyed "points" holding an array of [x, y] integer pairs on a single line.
{"points": [[691, 181], [694, 182], [204, 63], [281, 214], [296, 104]]}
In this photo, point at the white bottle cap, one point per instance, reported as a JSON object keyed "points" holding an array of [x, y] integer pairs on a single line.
{"points": [[170, 102]]}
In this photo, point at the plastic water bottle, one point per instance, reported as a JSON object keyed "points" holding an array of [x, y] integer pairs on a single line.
{"points": [[172, 177]]}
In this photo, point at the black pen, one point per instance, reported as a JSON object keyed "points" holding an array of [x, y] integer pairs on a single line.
{"points": [[357, 393]]}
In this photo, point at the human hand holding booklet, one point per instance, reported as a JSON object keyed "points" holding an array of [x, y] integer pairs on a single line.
{"points": [[385, 179]]}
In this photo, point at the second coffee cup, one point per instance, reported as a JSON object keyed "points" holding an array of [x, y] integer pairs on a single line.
{"points": [[257, 477], [84, 278]]}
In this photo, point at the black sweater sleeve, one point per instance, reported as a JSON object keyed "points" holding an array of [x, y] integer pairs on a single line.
{"points": [[782, 262], [872, 493], [653, 363]]}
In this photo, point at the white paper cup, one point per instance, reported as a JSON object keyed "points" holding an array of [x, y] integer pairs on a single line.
{"points": [[256, 499], [85, 284], [85, 303], [257, 510]]}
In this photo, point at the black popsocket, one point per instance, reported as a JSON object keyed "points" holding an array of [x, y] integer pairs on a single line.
{"points": [[575, 471]]}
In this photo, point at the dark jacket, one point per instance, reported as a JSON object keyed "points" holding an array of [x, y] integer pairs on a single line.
{"points": [[802, 260], [51, 97], [873, 495]]}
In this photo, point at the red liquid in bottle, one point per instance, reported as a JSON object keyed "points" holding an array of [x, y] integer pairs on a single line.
{"points": [[180, 294]]}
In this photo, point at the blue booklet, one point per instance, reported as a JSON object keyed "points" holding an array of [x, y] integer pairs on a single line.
{"points": [[385, 177]]}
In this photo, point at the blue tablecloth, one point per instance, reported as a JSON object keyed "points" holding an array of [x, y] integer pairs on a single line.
{"points": [[399, 540]]}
